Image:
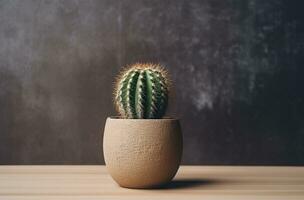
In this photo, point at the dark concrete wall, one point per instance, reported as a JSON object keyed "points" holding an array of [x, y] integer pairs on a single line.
{"points": [[237, 66]]}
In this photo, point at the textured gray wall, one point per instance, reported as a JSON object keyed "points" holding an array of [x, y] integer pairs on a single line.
{"points": [[237, 66]]}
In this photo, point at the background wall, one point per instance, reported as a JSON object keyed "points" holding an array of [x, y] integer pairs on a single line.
{"points": [[237, 66]]}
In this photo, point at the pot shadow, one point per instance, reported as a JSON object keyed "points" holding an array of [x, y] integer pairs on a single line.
{"points": [[187, 183]]}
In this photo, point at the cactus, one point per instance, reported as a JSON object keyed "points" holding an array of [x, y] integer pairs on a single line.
{"points": [[142, 92]]}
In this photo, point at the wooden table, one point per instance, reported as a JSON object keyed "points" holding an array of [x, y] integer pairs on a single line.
{"points": [[191, 182]]}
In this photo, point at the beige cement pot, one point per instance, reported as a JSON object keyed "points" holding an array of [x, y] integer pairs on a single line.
{"points": [[142, 153]]}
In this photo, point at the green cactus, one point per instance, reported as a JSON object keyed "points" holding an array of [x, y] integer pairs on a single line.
{"points": [[142, 92]]}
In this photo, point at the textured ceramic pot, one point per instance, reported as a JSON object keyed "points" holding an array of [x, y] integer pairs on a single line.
{"points": [[142, 153]]}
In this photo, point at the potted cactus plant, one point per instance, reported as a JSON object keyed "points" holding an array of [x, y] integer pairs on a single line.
{"points": [[141, 148]]}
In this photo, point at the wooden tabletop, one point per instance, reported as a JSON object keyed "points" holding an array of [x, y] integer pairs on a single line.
{"points": [[191, 182]]}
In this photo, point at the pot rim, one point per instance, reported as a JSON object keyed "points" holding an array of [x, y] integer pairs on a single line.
{"points": [[118, 118]]}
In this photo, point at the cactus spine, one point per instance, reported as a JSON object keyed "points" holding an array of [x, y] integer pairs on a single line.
{"points": [[142, 92]]}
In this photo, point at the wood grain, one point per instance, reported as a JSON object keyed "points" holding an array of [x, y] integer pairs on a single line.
{"points": [[191, 182]]}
